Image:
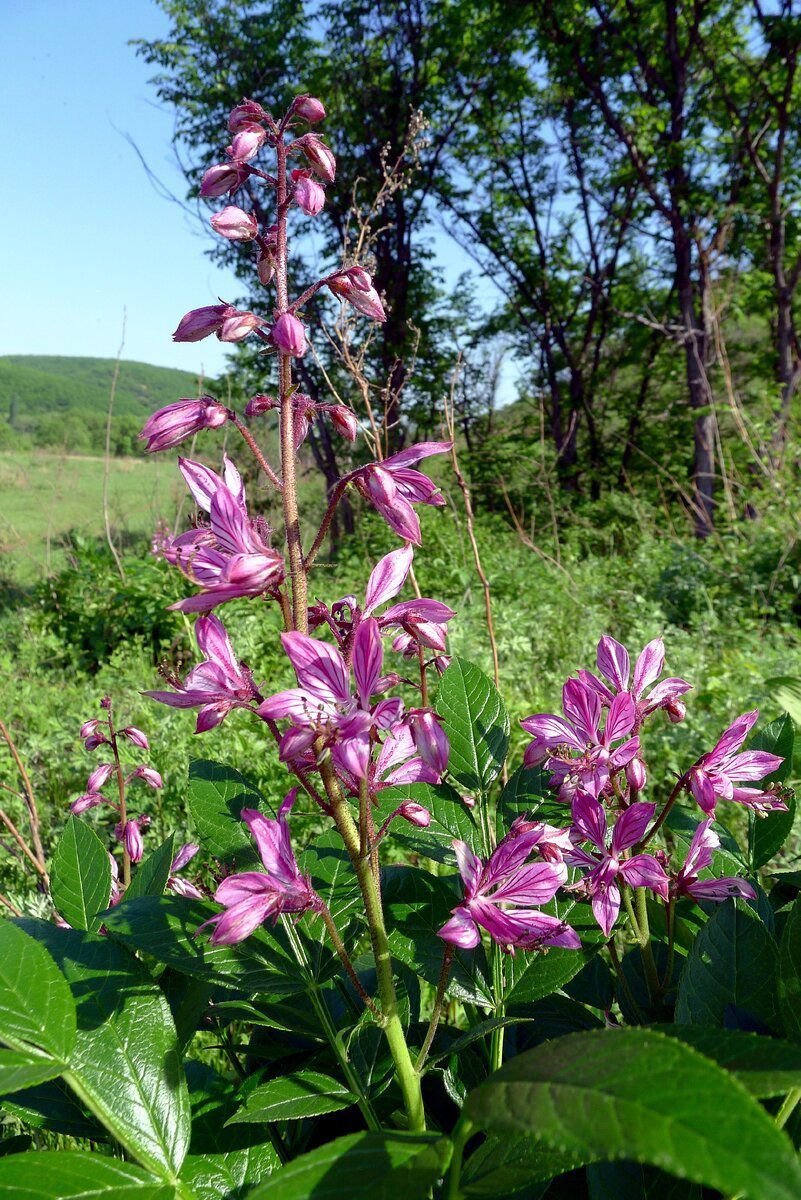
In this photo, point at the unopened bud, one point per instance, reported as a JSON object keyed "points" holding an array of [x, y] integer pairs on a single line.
{"points": [[309, 108], [235, 224], [289, 335], [222, 179], [257, 405], [319, 157], [415, 814], [636, 774], [247, 113], [247, 143]]}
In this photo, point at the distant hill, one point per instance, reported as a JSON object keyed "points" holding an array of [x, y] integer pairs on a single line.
{"points": [[62, 402]]}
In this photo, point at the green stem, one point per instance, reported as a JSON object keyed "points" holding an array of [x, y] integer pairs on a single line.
{"points": [[461, 1136], [330, 1030], [624, 983], [496, 1038], [651, 973], [792, 1099], [635, 927], [442, 983]]}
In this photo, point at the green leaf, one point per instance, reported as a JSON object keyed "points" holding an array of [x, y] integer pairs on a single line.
{"points": [[53, 1106], [527, 792], [789, 973], [417, 904], [124, 1065], [637, 1095], [76, 1175], [216, 796], [730, 970], [291, 1097], [532, 975], [150, 878], [765, 1066], [80, 876], [328, 864], [476, 722], [504, 1166], [166, 927], [768, 835], [36, 1005], [229, 1176], [727, 860], [20, 1070], [375, 1165], [450, 818], [633, 1181]]}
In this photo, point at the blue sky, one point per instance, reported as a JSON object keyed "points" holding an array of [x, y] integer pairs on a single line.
{"points": [[85, 235]]}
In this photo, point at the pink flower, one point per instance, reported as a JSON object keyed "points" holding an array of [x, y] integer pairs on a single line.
{"points": [[318, 156], [226, 178], [132, 841], [699, 857], [613, 663], [227, 322], [323, 704], [148, 775], [344, 421], [99, 777], [356, 286], [87, 801], [289, 335], [216, 685], [605, 864], [176, 422], [182, 887], [252, 897], [91, 736], [135, 736], [557, 739], [309, 194], [235, 224], [309, 108], [230, 557], [716, 775], [503, 895], [392, 487]]}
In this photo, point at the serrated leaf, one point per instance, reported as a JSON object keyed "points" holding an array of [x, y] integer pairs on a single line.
{"points": [[166, 927], [476, 722], [765, 1066], [53, 1106], [292, 1097], [229, 1176], [533, 975], [150, 877], [80, 881], [19, 1070], [503, 1166], [216, 796], [328, 864], [124, 1064], [36, 1005], [732, 966], [727, 860], [372, 1165], [527, 792], [76, 1175], [789, 974], [637, 1095], [450, 819]]}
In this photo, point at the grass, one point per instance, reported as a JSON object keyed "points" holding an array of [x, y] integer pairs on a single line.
{"points": [[45, 496]]}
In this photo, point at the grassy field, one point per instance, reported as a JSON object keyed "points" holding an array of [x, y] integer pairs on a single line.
{"points": [[45, 496]]}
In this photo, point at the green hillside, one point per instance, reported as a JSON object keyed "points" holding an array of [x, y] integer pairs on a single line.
{"points": [[61, 402]]}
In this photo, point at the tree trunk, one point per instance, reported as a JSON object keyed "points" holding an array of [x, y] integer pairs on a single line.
{"points": [[696, 347]]}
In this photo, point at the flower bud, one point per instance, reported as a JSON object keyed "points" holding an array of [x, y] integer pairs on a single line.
{"points": [[132, 841], [247, 113], [90, 727], [430, 738], [235, 224], [85, 802], [236, 326], [172, 425], [184, 856], [309, 194], [289, 335], [265, 267], [135, 736], [199, 323], [222, 179], [636, 774], [415, 813], [99, 777], [318, 156], [309, 108], [344, 421], [257, 405], [247, 143], [350, 286], [676, 711], [150, 777]]}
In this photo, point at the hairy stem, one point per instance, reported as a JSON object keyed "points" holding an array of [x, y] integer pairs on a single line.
{"points": [[439, 1000], [126, 858], [646, 949], [256, 451], [344, 958], [334, 499], [660, 820]]}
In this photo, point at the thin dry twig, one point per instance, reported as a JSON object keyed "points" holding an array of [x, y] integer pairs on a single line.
{"points": [[29, 799]]}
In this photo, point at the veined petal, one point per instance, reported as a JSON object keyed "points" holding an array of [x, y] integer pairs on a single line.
{"points": [[644, 871], [649, 666], [534, 884], [387, 578], [460, 930], [606, 906], [552, 730], [239, 921], [720, 889], [470, 866], [613, 662], [589, 819], [631, 825], [368, 659], [752, 764], [319, 667], [582, 707]]}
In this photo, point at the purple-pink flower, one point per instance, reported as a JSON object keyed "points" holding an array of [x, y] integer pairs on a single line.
{"points": [[503, 896], [224, 178], [393, 486], [605, 863], [254, 897], [699, 857], [309, 194], [228, 323], [318, 156], [308, 107], [718, 774], [216, 685], [614, 666], [231, 556], [575, 748], [356, 286], [182, 887], [235, 224], [247, 112], [289, 335], [176, 422]]}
